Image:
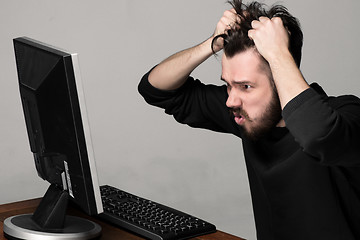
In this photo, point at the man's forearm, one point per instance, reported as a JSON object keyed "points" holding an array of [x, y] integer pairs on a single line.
{"points": [[172, 73], [287, 77], [272, 41]]}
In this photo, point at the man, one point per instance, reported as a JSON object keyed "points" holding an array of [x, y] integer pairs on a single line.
{"points": [[301, 147]]}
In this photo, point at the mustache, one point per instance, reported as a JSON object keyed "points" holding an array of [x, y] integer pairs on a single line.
{"points": [[239, 112]]}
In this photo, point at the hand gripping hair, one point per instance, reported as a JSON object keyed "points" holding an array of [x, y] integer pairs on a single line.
{"points": [[236, 39]]}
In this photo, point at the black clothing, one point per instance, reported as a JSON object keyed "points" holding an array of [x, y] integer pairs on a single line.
{"points": [[305, 178]]}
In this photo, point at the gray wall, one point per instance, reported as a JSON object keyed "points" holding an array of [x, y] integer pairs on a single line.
{"points": [[137, 147]]}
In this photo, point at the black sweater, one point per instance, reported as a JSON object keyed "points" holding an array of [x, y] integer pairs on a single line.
{"points": [[305, 178]]}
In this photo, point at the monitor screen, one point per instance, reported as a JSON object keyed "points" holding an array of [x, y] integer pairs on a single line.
{"points": [[56, 120]]}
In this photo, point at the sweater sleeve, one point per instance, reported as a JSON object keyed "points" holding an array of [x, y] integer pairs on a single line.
{"points": [[327, 128], [195, 104]]}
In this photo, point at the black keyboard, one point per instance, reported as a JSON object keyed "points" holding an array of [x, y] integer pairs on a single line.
{"points": [[149, 219]]}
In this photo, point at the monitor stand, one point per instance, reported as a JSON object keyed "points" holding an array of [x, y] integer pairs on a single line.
{"points": [[50, 221]]}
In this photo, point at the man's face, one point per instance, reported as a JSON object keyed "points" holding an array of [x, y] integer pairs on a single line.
{"points": [[251, 96]]}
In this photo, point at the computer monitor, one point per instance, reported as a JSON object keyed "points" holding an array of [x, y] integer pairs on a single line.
{"points": [[55, 114]]}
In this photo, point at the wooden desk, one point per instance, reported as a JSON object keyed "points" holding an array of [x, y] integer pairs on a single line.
{"points": [[108, 231]]}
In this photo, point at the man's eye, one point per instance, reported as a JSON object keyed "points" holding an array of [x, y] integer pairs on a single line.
{"points": [[246, 86]]}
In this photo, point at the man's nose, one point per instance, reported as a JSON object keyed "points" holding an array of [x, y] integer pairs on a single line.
{"points": [[234, 100]]}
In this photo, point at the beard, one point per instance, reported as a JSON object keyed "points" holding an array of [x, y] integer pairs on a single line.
{"points": [[260, 126]]}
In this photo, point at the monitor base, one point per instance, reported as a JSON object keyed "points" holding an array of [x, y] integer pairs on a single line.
{"points": [[22, 227]]}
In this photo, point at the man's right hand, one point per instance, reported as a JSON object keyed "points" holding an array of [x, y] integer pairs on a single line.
{"points": [[229, 20]]}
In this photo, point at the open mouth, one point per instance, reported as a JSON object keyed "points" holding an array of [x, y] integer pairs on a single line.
{"points": [[240, 116], [239, 119]]}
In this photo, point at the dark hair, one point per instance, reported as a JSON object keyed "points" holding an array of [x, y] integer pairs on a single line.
{"points": [[236, 39]]}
